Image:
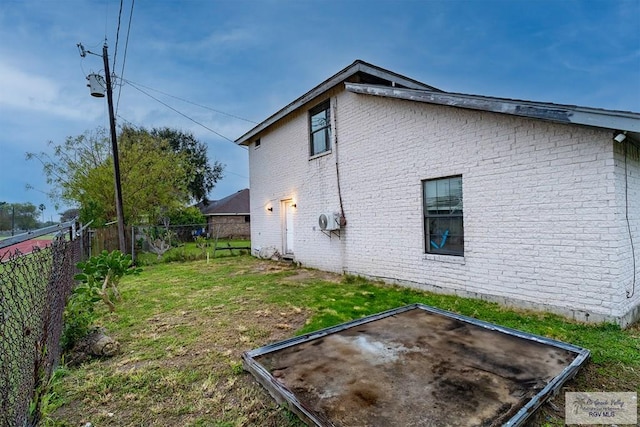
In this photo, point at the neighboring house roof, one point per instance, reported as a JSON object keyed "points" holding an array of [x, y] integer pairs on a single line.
{"points": [[359, 71], [234, 204], [364, 78]]}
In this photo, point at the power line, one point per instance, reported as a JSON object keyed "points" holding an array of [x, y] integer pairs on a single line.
{"points": [[133, 125], [115, 54], [182, 114], [126, 48], [106, 18], [191, 102], [127, 121]]}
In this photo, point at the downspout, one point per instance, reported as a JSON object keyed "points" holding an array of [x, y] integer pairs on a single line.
{"points": [[632, 292], [343, 219]]}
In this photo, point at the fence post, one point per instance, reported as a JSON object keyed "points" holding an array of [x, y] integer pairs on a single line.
{"points": [[133, 243]]}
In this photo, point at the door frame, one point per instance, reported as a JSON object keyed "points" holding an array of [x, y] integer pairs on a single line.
{"points": [[288, 229]]}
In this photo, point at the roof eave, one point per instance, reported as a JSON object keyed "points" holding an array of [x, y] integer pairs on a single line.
{"points": [[568, 114], [331, 82], [228, 214]]}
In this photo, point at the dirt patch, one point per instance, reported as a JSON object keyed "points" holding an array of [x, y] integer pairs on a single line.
{"points": [[268, 267], [299, 274], [415, 368], [305, 274], [227, 392]]}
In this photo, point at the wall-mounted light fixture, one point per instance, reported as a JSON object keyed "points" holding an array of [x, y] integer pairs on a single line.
{"points": [[294, 205], [270, 209], [620, 136]]}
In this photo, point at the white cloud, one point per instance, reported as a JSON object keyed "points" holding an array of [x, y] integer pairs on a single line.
{"points": [[207, 45], [24, 91]]}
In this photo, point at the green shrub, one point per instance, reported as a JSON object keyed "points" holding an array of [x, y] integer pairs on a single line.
{"points": [[79, 315], [102, 273], [187, 215], [98, 280]]}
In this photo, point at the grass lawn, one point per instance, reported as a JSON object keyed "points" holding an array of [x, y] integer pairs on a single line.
{"points": [[183, 327]]}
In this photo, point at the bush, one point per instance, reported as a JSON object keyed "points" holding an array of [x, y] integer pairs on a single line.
{"points": [[190, 215], [79, 315], [99, 277], [102, 273]]}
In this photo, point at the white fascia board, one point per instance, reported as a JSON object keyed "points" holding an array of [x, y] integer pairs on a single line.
{"points": [[569, 114]]}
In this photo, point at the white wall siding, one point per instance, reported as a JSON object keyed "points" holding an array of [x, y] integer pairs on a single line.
{"points": [[543, 216]]}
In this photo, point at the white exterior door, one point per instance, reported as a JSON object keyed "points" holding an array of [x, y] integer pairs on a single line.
{"points": [[288, 226]]}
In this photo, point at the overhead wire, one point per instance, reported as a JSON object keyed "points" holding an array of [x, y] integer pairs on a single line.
{"points": [[106, 18], [115, 54], [127, 121], [192, 103], [182, 114], [134, 85], [138, 86], [124, 58], [133, 125]]}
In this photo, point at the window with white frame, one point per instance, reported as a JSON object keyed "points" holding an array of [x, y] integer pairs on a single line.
{"points": [[320, 129], [443, 219]]}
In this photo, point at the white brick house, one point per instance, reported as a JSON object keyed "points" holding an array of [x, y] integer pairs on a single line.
{"points": [[551, 208]]}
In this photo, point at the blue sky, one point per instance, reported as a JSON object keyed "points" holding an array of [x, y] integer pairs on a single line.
{"points": [[249, 58]]}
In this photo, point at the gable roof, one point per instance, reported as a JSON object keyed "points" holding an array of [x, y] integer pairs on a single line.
{"points": [[560, 113], [358, 71], [234, 204], [364, 78]]}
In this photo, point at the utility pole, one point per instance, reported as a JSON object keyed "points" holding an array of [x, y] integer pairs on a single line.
{"points": [[114, 146], [114, 143]]}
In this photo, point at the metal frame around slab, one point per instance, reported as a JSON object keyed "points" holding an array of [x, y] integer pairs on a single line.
{"points": [[283, 396]]}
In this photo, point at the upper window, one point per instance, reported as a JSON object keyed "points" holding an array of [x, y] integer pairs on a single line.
{"points": [[320, 128], [443, 225]]}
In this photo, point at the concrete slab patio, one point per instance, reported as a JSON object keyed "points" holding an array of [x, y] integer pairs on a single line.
{"points": [[416, 366]]}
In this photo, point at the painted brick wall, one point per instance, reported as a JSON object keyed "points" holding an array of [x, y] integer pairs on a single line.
{"points": [[627, 163], [544, 226]]}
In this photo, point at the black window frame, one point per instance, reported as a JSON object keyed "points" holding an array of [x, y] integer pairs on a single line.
{"points": [[317, 130], [443, 209]]}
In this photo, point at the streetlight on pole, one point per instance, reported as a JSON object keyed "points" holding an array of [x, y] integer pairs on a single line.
{"points": [[98, 91]]}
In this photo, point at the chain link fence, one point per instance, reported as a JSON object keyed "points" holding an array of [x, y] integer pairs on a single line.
{"points": [[182, 242], [34, 286]]}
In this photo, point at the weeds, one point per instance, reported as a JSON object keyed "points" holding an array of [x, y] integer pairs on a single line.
{"points": [[98, 281], [183, 327]]}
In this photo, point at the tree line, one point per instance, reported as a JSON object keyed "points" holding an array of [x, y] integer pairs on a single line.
{"points": [[163, 172], [21, 216]]}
